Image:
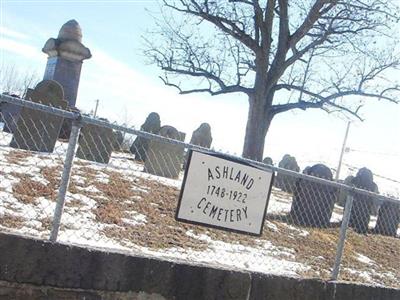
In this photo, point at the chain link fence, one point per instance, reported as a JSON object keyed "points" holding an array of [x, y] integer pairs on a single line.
{"points": [[74, 179]]}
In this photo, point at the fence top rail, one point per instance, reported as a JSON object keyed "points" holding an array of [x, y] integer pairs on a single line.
{"points": [[38, 106], [83, 119]]}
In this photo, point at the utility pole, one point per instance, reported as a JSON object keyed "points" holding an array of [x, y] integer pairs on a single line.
{"points": [[342, 152], [95, 109]]}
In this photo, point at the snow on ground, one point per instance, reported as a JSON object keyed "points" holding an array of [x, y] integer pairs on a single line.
{"points": [[89, 215]]}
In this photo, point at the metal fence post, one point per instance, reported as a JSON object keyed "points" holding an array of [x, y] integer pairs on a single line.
{"points": [[342, 236], [66, 174]]}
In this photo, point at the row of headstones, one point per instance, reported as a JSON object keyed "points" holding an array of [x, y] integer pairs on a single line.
{"points": [[313, 202], [38, 131], [166, 159]]}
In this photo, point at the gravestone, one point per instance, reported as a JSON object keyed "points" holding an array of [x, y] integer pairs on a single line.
{"points": [[306, 170], [66, 54], [9, 114], [388, 219], [36, 130], [268, 161], [140, 145], [362, 204], [181, 136], [313, 202], [165, 159], [96, 143], [202, 136], [342, 196], [119, 139], [286, 182]]}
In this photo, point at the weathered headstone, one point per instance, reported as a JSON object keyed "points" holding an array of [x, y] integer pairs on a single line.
{"points": [[96, 143], [268, 161], [285, 182], [140, 145], [313, 202], [362, 205], [306, 170], [36, 130], [182, 136], [342, 195], [202, 136], [164, 159], [119, 139], [388, 219], [9, 114]]}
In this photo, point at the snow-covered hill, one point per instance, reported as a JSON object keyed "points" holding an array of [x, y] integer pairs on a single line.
{"points": [[119, 207]]}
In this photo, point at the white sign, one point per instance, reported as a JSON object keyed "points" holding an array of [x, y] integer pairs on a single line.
{"points": [[223, 193]]}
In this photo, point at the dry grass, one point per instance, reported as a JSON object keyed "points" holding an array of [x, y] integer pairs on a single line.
{"points": [[17, 157], [82, 163], [27, 190], [383, 250], [117, 193], [52, 175], [46, 223], [11, 221], [109, 213], [122, 195], [75, 203], [317, 249]]}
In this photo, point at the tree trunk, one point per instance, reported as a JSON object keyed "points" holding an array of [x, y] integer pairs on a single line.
{"points": [[258, 122]]}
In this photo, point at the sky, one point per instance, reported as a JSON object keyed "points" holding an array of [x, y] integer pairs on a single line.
{"points": [[129, 88]]}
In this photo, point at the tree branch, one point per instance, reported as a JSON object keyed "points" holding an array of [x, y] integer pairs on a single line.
{"points": [[224, 24]]}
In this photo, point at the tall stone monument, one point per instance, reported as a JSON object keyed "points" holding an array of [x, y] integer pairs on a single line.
{"points": [[66, 54]]}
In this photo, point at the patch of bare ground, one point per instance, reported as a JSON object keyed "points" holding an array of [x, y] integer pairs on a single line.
{"points": [[17, 157], [313, 247], [158, 205], [88, 174], [52, 175], [118, 187], [27, 190], [382, 250], [122, 195], [11, 221]]}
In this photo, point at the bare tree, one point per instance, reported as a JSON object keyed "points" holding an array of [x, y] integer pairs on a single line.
{"points": [[16, 81], [284, 55]]}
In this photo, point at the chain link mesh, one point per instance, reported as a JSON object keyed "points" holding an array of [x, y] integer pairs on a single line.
{"points": [[123, 195]]}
